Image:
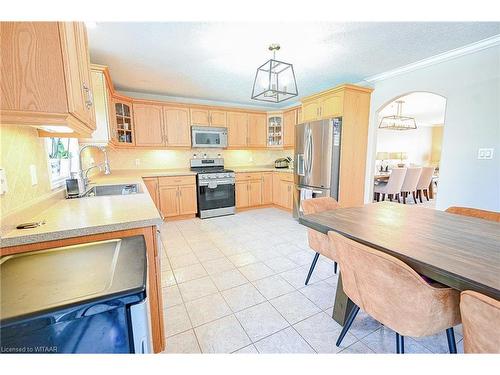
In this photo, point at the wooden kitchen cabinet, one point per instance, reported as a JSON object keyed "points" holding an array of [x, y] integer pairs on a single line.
{"points": [[152, 186], [248, 189], [255, 192], [289, 123], [122, 132], [218, 118], [177, 196], [241, 194], [148, 121], [283, 190], [199, 117], [267, 187], [46, 77], [257, 130], [177, 129], [237, 128]]}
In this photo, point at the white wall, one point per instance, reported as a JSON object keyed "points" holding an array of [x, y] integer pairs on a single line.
{"points": [[471, 85], [416, 143]]}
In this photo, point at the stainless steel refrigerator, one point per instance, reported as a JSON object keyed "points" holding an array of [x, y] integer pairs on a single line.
{"points": [[317, 161]]}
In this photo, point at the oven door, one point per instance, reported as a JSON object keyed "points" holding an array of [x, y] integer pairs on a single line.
{"points": [[212, 195], [204, 136]]}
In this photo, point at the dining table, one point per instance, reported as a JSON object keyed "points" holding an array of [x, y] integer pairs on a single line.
{"points": [[458, 251]]}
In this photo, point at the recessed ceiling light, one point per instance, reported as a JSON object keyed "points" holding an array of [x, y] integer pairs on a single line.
{"points": [[91, 24]]}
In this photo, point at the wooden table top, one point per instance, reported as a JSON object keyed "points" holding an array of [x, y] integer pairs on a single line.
{"points": [[458, 251]]}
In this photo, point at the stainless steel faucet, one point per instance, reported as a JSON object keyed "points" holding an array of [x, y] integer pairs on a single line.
{"points": [[84, 172]]}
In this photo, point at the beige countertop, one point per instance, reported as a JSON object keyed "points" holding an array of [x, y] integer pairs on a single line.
{"points": [[68, 218]]}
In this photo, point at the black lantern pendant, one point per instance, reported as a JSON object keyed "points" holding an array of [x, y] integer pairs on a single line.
{"points": [[274, 80]]}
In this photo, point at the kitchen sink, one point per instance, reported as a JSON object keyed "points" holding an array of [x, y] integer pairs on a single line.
{"points": [[121, 189]]}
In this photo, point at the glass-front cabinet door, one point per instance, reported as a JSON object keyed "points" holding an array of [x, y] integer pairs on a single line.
{"points": [[124, 129], [275, 129]]}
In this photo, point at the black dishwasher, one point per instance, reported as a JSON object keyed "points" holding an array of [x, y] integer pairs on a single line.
{"points": [[88, 298]]}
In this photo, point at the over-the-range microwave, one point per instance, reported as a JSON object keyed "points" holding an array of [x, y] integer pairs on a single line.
{"points": [[208, 136]]}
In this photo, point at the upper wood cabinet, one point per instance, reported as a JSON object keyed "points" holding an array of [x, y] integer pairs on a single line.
{"points": [[208, 117], [177, 129], [200, 116], [45, 70], [257, 130], [289, 122], [324, 105], [148, 120], [237, 128], [122, 130]]}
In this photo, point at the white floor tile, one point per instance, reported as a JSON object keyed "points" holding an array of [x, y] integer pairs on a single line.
{"points": [[171, 296], [207, 309], [224, 335], [218, 265], [250, 349], [229, 279], [242, 297], [183, 260], [383, 340], [261, 320], [295, 307], [176, 320], [198, 288], [183, 343], [243, 259], [256, 271], [285, 341], [320, 293], [189, 273], [273, 286]]}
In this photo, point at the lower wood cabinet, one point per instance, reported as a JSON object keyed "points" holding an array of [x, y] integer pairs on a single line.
{"points": [[173, 196], [267, 188], [283, 190], [263, 188]]}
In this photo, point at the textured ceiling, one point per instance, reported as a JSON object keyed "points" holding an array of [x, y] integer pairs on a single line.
{"points": [[217, 61]]}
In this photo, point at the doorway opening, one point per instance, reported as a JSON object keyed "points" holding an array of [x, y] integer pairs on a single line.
{"points": [[408, 148]]}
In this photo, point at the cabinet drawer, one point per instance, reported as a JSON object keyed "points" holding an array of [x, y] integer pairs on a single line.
{"points": [[286, 177], [177, 180], [248, 176]]}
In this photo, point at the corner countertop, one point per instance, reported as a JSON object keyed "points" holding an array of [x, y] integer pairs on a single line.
{"points": [[248, 169]]}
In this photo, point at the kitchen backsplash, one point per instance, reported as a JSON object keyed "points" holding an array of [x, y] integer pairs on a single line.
{"points": [[172, 159], [20, 148]]}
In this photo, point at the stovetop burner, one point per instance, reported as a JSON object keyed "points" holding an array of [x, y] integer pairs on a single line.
{"points": [[211, 170]]}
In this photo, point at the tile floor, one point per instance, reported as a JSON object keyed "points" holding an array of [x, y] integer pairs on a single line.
{"points": [[235, 284]]}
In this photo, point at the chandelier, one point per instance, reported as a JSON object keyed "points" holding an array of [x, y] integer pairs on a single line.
{"points": [[274, 80], [398, 121]]}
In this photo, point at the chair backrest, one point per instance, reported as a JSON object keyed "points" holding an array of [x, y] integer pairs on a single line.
{"points": [[481, 322], [425, 178], [411, 179], [475, 212], [315, 205], [388, 289], [395, 181]]}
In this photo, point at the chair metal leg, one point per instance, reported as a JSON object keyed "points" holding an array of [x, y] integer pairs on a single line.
{"points": [[335, 267], [311, 269], [347, 324], [452, 344], [400, 344]]}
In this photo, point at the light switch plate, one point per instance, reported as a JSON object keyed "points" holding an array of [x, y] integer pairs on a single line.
{"points": [[3, 182], [137, 162], [485, 153], [34, 177]]}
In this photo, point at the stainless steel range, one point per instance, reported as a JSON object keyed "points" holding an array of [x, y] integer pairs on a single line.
{"points": [[215, 187]]}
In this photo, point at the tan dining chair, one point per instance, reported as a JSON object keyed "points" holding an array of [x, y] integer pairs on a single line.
{"points": [[480, 322], [410, 183], [475, 212], [394, 294], [393, 186], [424, 182], [318, 241]]}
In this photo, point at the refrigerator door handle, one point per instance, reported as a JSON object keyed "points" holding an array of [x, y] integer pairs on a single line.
{"points": [[300, 165], [310, 156]]}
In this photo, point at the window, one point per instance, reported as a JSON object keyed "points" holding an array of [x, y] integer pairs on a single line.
{"points": [[62, 157]]}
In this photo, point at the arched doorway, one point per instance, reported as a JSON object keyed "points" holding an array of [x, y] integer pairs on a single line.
{"points": [[409, 134]]}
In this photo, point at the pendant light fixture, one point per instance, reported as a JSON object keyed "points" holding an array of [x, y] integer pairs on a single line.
{"points": [[274, 80], [398, 121]]}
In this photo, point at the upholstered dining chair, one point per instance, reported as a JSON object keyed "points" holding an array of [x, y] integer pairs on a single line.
{"points": [[318, 241], [393, 186], [480, 322], [423, 182], [394, 294], [475, 212], [410, 183]]}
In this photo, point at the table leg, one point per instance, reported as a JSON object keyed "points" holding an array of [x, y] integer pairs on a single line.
{"points": [[431, 190], [343, 305]]}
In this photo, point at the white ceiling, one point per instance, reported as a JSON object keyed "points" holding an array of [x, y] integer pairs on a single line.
{"points": [[428, 109], [217, 61]]}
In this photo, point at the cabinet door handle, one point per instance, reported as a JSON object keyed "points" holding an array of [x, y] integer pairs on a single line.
{"points": [[89, 102]]}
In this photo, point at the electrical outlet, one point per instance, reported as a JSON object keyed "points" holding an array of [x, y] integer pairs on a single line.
{"points": [[3, 182], [137, 162], [34, 177], [485, 153]]}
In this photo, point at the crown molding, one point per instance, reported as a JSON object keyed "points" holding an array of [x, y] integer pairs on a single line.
{"points": [[437, 59]]}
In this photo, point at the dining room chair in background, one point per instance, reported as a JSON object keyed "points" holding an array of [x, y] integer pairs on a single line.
{"points": [[480, 322], [393, 186], [394, 294], [424, 181], [410, 183], [318, 241], [475, 212]]}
